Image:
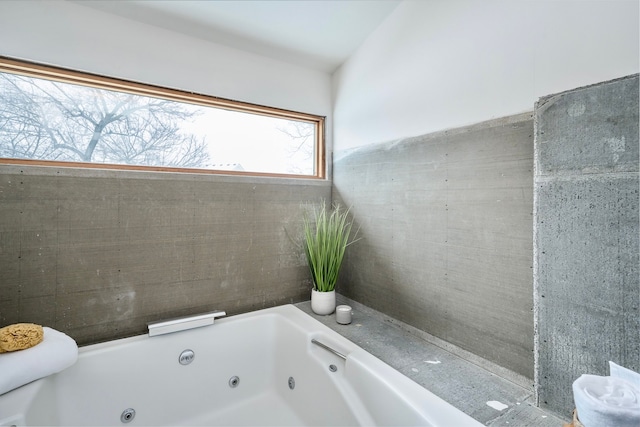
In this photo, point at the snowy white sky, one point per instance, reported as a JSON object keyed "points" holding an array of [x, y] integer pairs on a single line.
{"points": [[251, 140]]}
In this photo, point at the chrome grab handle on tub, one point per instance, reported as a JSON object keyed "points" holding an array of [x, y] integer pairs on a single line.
{"points": [[183, 323], [326, 347]]}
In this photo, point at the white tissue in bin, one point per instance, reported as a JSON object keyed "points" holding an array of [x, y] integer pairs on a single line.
{"points": [[612, 401], [56, 352]]}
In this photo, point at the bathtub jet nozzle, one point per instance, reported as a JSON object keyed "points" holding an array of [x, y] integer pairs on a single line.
{"points": [[128, 415]]}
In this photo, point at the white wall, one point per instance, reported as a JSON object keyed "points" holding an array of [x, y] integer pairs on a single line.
{"points": [[439, 64], [74, 36]]}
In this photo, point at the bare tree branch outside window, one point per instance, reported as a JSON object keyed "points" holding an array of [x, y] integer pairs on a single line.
{"points": [[302, 136], [47, 120]]}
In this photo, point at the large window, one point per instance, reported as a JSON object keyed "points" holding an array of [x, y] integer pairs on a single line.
{"points": [[54, 116]]}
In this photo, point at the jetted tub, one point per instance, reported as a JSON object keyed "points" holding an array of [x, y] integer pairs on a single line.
{"points": [[258, 368]]}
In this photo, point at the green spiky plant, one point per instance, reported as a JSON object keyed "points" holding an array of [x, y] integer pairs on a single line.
{"points": [[326, 237]]}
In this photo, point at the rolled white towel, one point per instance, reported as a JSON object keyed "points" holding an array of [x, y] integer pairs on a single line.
{"points": [[606, 401], [56, 352], [618, 371]]}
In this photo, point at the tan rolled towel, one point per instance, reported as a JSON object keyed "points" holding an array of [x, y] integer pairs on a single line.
{"points": [[20, 336]]}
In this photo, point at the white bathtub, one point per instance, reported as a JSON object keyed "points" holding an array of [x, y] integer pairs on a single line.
{"points": [[267, 351]]}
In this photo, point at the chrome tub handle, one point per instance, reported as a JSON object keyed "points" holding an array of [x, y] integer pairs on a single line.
{"points": [[326, 347]]}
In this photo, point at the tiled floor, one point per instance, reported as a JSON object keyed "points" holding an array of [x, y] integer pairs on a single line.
{"points": [[459, 382]]}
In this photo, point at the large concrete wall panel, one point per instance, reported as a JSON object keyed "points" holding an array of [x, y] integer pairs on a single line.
{"points": [[445, 221], [98, 254], [586, 276]]}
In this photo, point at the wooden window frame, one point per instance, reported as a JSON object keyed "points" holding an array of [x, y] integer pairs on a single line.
{"points": [[64, 75]]}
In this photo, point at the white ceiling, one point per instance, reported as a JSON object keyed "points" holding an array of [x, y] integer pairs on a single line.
{"points": [[315, 34]]}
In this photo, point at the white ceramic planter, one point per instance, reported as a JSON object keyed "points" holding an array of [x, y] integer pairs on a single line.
{"points": [[323, 303]]}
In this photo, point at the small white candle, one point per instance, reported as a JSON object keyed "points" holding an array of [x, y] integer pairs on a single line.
{"points": [[343, 314]]}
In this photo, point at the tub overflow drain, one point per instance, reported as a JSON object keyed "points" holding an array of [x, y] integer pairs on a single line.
{"points": [[186, 357], [333, 368], [128, 415], [292, 383]]}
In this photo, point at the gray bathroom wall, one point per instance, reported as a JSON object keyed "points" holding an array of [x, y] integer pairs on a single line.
{"points": [[445, 221], [98, 254], [586, 236]]}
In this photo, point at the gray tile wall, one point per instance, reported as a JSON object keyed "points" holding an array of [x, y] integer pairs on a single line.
{"points": [[446, 227], [586, 241], [98, 254]]}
